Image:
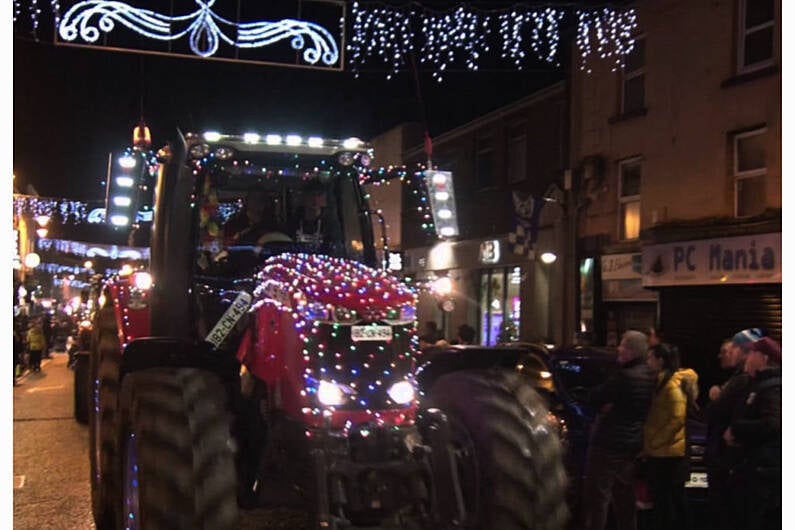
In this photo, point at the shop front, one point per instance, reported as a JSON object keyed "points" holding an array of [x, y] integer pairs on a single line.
{"points": [[626, 303], [504, 296], [711, 288]]}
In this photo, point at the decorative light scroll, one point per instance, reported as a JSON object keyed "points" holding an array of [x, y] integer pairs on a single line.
{"points": [[388, 34], [204, 29]]}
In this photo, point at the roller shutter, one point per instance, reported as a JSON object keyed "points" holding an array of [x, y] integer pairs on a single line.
{"points": [[698, 318]]}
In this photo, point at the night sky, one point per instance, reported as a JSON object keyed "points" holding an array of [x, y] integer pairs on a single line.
{"points": [[72, 106]]}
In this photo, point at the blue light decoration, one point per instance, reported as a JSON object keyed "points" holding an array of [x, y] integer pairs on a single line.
{"points": [[388, 34], [204, 29]]}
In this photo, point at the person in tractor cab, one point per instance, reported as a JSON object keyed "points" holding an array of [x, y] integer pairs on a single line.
{"points": [[255, 221], [314, 222]]}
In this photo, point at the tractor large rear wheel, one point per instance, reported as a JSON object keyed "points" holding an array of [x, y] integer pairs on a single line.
{"points": [[507, 454], [178, 454], [104, 369]]}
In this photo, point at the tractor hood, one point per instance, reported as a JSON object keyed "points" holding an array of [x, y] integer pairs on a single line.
{"points": [[314, 282]]}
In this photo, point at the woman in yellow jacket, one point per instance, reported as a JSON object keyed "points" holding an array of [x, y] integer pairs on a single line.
{"points": [[36, 344], [664, 439]]}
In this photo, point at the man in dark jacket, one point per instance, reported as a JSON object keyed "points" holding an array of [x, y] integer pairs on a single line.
{"points": [[616, 440], [757, 431], [725, 402]]}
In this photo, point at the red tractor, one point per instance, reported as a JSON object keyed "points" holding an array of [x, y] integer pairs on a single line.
{"points": [[264, 358]]}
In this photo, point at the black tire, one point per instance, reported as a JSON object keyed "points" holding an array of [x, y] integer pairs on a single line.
{"points": [[105, 366], [82, 393], [178, 453], [508, 455]]}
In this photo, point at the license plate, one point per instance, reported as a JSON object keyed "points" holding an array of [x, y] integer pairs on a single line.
{"points": [[697, 480], [382, 333]]}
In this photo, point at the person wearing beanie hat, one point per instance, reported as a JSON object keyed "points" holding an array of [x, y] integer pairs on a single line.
{"points": [[756, 430], [725, 401], [746, 337]]}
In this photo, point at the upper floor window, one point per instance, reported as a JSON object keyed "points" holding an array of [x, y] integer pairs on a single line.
{"points": [[629, 172], [750, 169], [756, 35], [633, 88], [484, 155], [517, 153]]}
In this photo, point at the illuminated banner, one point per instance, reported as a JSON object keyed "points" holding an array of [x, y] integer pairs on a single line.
{"points": [[302, 33], [730, 260], [91, 250]]}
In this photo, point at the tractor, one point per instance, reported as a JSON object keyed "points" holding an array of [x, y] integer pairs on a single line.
{"points": [[277, 364]]}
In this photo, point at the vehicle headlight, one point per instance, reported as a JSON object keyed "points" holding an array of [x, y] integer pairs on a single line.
{"points": [[332, 394], [401, 392]]}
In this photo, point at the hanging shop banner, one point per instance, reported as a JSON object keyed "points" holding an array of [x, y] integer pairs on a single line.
{"points": [[732, 260], [296, 33]]}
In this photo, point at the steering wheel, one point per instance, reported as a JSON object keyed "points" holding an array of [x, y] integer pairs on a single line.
{"points": [[273, 237]]}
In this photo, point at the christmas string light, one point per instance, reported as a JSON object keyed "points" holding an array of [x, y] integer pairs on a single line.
{"points": [[610, 31], [463, 34], [203, 28], [391, 28]]}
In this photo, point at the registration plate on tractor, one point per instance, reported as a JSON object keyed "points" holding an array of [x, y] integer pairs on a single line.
{"points": [[697, 480], [383, 333]]}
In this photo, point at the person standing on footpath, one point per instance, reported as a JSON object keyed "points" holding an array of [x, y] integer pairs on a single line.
{"points": [[36, 344], [664, 438], [725, 401], [616, 441], [756, 430]]}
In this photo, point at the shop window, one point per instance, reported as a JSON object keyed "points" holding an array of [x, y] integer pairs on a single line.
{"points": [[633, 79], [517, 154], [500, 305], [629, 173], [749, 172], [756, 34], [484, 155]]}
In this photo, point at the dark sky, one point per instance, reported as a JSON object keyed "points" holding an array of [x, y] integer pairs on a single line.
{"points": [[74, 105]]}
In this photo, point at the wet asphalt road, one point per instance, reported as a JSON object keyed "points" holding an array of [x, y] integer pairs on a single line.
{"points": [[51, 466]]}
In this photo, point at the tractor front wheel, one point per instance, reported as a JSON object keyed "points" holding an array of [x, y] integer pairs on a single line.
{"points": [[508, 456]]}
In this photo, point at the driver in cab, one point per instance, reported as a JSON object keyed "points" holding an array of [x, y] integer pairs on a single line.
{"points": [[256, 224]]}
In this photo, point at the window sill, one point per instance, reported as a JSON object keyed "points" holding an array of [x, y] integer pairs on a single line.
{"points": [[627, 115], [751, 76]]}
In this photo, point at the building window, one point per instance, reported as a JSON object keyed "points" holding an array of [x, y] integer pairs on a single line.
{"points": [[517, 154], [756, 36], [629, 198], [484, 154], [633, 89], [500, 305], [749, 173]]}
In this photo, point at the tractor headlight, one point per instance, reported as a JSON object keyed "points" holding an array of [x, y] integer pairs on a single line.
{"points": [[401, 392], [332, 394]]}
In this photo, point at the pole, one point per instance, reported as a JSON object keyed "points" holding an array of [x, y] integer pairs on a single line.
{"points": [[107, 185]]}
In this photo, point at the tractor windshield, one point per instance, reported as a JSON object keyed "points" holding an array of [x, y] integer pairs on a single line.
{"points": [[260, 206]]}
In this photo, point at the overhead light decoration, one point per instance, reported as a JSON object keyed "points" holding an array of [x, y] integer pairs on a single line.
{"points": [[204, 28], [462, 35], [442, 199]]}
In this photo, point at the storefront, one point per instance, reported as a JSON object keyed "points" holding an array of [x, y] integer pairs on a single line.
{"points": [[709, 289], [626, 304], [504, 296]]}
